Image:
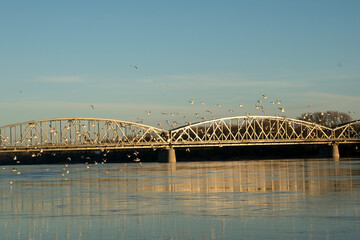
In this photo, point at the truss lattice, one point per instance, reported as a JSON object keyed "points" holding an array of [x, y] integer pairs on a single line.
{"points": [[80, 133], [94, 133], [348, 132], [246, 130]]}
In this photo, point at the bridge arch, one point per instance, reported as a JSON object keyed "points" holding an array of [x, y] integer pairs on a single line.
{"points": [[250, 130], [79, 133], [348, 131]]}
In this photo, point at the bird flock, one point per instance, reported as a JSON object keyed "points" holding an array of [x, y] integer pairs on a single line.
{"points": [[171, 120], [88, 163], [202, 111]]}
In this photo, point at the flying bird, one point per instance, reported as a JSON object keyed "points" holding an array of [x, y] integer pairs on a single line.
{"points": [[92, 106], [134, 66]]}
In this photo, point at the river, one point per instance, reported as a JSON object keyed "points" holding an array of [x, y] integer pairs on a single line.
{"points": [[257, 199]]}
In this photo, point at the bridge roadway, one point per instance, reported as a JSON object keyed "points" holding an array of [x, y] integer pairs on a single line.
{"points": [[72, 134]]}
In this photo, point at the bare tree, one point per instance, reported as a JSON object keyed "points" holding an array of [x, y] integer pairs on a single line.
{"points": [[329, 118]]}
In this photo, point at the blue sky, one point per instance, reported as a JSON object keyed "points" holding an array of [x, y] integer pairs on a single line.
{"points": [[59, 57]]}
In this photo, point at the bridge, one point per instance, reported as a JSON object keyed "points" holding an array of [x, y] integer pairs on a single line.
{"points": [[72, 134]]}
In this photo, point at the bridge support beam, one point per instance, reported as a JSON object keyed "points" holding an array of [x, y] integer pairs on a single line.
{"points": [[167, 155], [335, 151]]}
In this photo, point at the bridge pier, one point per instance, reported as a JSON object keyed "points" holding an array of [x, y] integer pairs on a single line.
{"points": [[167, 155], [335, 151]]}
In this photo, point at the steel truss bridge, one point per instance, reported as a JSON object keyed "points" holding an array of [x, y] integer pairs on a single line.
{"points": [[93, 134]]}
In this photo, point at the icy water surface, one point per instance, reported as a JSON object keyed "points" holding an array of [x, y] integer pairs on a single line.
{"points": [[260, 199]]}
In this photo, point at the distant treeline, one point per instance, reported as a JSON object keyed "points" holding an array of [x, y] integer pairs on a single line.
{"points": [[328, 118]]}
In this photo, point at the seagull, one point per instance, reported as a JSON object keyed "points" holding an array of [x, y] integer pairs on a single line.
{"points": [[282, 109], [92, 106], [192, 101], [148, 112], [136, 67], [219, 105], [203, 104], [265, 97], [241, 105]]}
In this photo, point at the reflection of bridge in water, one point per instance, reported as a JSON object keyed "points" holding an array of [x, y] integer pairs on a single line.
{"points": [[74, 134], [58, 195]]}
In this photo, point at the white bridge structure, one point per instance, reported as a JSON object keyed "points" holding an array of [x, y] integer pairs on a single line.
{"points": [[71, 134]]}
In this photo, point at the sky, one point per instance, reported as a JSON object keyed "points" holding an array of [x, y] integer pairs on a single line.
{"points": [[127, 58]]}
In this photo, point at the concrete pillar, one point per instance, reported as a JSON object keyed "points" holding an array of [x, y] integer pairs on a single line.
{"points": [[335, 151], [172, 155], [167, 155]]}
